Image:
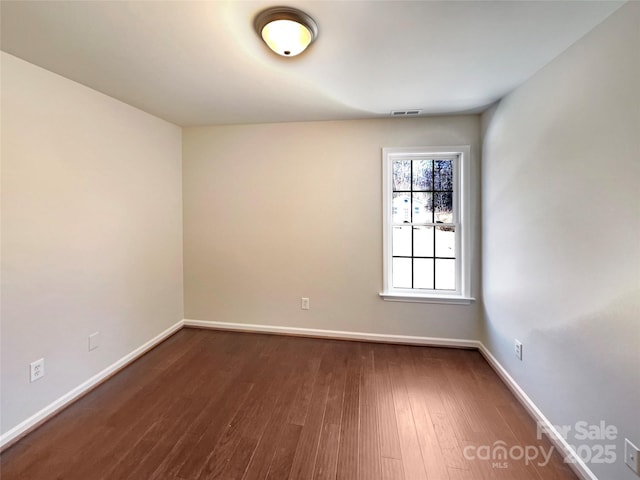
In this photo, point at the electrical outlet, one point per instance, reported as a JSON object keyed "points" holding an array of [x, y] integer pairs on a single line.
{"points": [[305, 303], [37, 370], [632, 456], [94, 341], [518, 349]]}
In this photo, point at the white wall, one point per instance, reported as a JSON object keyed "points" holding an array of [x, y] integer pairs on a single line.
{"points": [[275, 212], [561, 234], [91, 233]]}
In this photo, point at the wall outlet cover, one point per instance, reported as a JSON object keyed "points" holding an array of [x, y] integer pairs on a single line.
{"points": [[305, 303], [94, 341], [36, 370], [518, 349], [632, 456]]}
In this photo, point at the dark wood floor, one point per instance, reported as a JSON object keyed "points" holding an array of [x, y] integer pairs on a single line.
{"points": [[222, 405]]}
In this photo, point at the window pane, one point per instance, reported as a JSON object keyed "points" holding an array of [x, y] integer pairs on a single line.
{"points": [[422, 273], [445, 274], [401, 245], [443, 207], [402, 175], [445, 242], [422, 205], [423, 174], [401, 273], [443, 174], [423, 241], [401, 208]]}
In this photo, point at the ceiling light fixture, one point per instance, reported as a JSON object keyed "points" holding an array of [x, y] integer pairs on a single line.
{"points": [[287, 31]]}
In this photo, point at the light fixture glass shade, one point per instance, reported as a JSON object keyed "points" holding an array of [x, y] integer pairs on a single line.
{"points": [[286, 37], [287, 31]]}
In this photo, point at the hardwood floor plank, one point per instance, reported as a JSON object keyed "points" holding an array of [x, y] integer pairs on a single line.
{"points": [[526, 435], [241, 365], [368, 439], [311, 364], [435, 389], [203, 402], [187, 439], [199, 457], [412, 461], [347, 467], [391, 469], [434, 462], [155, 445], [306, 453], [387, 423], [282, 463], [232, 454], [275, 429], [327, 456]]}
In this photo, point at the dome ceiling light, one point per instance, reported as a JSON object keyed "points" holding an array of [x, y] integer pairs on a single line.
{"points": [[287, 31]]}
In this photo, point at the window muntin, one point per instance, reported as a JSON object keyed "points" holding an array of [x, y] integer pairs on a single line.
{"points": [[425, 238]]}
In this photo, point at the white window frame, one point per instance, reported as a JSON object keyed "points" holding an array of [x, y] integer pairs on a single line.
{"points": [[461, 207]]}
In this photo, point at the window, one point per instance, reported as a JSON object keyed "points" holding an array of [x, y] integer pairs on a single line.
{"points": [[426, 233]]}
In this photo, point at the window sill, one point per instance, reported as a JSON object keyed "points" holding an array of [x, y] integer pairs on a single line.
{"points": [[418, 298]]}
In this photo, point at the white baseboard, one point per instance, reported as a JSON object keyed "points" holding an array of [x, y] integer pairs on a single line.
{"points": [[40, 417], [576, 463], [334, 334]]}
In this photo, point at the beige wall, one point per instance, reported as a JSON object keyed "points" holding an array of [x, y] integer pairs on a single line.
{"points": [[91, 233], [561, 242], [275, 212]]}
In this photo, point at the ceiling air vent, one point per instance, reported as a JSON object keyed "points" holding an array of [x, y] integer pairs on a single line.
{"points": [[405, 113]]}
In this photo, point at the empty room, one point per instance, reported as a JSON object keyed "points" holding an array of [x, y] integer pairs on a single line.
{"points": [[350, 240]]}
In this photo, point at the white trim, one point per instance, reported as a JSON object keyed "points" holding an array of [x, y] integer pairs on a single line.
{"points": [[50, 410], [576, 464], [334, 334], [417, 298]]}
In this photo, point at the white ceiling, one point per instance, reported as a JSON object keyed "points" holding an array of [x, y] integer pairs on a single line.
{"points": [[201, 62]]}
